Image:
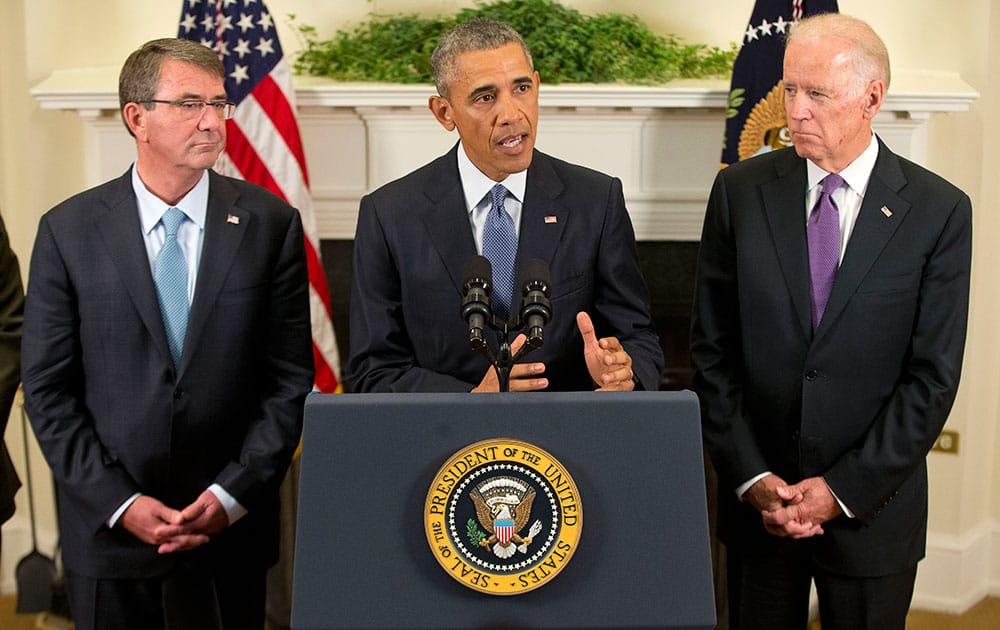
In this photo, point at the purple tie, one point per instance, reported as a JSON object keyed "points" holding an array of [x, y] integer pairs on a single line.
{"points": [[823, 235]]}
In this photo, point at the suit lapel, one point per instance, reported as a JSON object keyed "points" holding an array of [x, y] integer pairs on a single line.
{"points": [[225, 226], [121, 235], [784, 205], [445, 217], [543, 219], [872, 231], [447, 221]]}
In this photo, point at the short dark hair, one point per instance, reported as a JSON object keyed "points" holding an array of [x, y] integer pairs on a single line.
{"points": [[140, 75], [476, 34]]}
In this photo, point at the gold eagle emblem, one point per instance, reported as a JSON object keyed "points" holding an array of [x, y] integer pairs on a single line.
{"points": [[503, 508], [766, 128]]}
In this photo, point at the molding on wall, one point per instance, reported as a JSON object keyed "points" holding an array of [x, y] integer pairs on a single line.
{"points": [[959, 570], [918, 93], [663, 142]]}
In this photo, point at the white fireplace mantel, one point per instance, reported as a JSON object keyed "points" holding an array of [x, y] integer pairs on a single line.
{"points": [[663, 142]]}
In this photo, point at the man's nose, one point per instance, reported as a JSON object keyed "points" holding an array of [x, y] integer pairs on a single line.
{"points": [[508, 110], [796, 107]]}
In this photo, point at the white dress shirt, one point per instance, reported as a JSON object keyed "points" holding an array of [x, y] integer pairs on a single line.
{"points": [[476, 187]]}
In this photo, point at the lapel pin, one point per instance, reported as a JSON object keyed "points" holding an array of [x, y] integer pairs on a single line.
{"points": [[887, 212], [235, 220], [551, 218]]}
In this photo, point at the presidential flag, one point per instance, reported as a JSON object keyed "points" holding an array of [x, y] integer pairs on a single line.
{"points": [[263, 145], [755, 112]]}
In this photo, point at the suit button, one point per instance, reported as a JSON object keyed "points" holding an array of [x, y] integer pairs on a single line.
{"points": [[178, 393], [811, 375], [795, 436]]}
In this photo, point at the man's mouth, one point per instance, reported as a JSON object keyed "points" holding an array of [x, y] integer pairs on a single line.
{"points": [[512, 142]]}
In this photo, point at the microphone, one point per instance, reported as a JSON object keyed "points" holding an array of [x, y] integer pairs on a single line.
{"points": [[536, 309], [477, 281]]}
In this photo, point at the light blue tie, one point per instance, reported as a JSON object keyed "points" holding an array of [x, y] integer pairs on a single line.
{"points": [[171, 277], [500, 247]]}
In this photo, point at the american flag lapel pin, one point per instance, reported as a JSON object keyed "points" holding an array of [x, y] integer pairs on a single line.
{"points": [[887, 212], [551, 218], [232, 218]]}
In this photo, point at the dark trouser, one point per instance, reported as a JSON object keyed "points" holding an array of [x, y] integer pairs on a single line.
{"points": [[183, 599], [771, 591]]}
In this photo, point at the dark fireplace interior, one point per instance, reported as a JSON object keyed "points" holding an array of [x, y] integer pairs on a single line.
{"points": [[668, 266]]}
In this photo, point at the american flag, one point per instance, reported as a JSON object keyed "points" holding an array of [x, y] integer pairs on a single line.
{"points": [[263, 144]]}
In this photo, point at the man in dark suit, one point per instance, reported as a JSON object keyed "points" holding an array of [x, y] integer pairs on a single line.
{"points": [[415, 235], [11, 319], [168, 442], [820, 406]]}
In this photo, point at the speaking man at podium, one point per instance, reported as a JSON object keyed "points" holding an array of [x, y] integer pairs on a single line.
{"points": [[494, 194]]}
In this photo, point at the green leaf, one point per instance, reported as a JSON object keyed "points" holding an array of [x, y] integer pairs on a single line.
{"points": [[566, 46]]}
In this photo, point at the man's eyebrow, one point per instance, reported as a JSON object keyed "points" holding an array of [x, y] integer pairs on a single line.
{"points": [[483, 89], [191, 96]]}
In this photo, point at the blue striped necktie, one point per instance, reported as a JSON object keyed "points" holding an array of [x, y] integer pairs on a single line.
{"points": [[500, 247], [171, 277]]}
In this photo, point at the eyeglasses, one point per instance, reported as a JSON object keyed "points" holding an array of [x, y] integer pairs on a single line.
{"points": [[195, 108]]}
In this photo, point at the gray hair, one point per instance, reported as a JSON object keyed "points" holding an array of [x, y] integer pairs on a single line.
{"points": [[140, 75], [476, 34], [867, 50]]}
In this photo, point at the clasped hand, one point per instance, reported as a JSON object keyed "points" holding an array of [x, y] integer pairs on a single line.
{"points": [[609, 365], [794, 511], [172, 530]]}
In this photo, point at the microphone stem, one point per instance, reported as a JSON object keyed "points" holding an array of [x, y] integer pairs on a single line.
{"points": [[503, 366]]}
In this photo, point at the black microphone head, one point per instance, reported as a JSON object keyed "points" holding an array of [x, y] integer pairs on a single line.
{"points": [[536, 275], [536, 309], [478, 272]]}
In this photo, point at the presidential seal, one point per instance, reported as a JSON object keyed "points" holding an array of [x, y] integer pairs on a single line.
{"points": [[503, 517]]}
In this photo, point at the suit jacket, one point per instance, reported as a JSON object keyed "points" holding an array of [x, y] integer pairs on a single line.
{"points": [[413, 240], [860, 401], [11, 318], [111, 414]]}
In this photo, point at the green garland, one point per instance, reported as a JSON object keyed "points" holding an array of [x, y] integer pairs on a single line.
{"points": [[566, 46]]}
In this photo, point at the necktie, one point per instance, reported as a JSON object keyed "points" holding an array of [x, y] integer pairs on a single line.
{"points": [[823, 235], [171, 277], [500, 247]]}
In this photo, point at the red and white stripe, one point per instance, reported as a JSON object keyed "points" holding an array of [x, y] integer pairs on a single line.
{"points": [[263, 146]]}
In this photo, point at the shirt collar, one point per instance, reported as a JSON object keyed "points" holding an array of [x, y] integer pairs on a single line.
{"points": [[151, 208], [476, 185], [856, 174]]}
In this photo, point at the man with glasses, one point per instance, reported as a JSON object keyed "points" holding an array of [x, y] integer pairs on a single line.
{"points": [[166, 359]]}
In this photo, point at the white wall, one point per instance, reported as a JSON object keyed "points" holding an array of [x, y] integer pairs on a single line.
{"points": [[41, 164]]}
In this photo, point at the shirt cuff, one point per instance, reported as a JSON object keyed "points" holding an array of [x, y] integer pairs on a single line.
{"points": [[847, 510], [233, 509], [742, 488], [118, 513]]}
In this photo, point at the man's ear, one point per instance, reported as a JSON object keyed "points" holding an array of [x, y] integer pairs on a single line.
{"points": [[874, 96], [134, 115], [441, 109]]}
